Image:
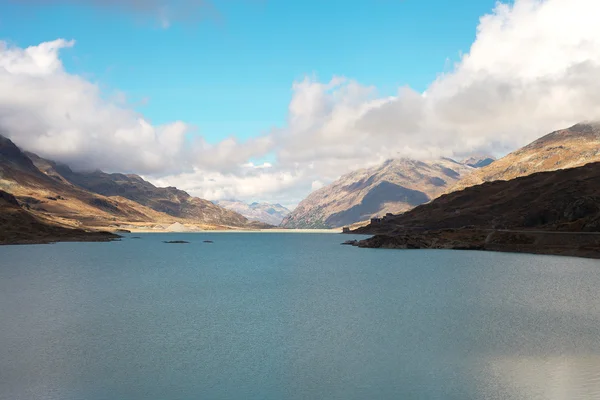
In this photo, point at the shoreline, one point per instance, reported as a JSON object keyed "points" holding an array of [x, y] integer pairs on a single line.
{"points": [[570, 244], [84, 237], [332, 231], [116, 235]]}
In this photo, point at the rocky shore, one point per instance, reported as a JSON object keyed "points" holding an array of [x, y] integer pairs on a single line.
{"points": [[75, 236], [536, 242]]}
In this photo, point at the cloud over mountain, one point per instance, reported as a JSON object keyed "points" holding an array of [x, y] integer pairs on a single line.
{"points": [[523, 76]]}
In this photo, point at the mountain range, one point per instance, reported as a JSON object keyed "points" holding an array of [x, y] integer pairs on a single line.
{"points": [[400, 185], [272, 214], [558, 200], [395, 186], [553, 212], [542, 198], [53, 192], [97, 200]]}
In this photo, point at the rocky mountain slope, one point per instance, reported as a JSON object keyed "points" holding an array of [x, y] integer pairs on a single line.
{"points": [[101, 200], [393, 187], [271, 214], [562, 200], [46, 196], [169, 200], [554, 212], [567, 148], [18, 226]]}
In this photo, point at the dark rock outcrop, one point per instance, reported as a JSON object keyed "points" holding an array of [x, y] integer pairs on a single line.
{"points": [[554, 243]]}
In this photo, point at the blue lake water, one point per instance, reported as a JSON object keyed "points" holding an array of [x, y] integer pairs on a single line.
{"points": [[293, 316]]}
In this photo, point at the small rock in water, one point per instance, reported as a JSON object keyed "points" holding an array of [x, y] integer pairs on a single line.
{"points": [[175, 242], [208, 241], [350, 242]]}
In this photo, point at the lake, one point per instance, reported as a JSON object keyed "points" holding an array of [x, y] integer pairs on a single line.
{"points": [[293, 316]]}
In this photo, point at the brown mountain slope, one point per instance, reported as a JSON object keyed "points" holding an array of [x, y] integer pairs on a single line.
{"points": [[562, 149], [18, 226], [41, 188], [44, 195], [170, 200], [563, 200], [393, 187]]}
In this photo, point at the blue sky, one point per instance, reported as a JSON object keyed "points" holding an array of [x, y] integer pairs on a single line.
{"points": [[232, 74]]}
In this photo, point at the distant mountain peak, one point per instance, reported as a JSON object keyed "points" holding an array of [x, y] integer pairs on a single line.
{"points": [[589, 126], [451, 160], [271, 214], [479, 160], [396, 185], [11, 155]]}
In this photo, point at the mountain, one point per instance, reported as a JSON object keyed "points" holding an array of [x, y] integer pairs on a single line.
{"points": [[563, 200], [18, 226], [169, 200], [395, 186], [479, 161], [271, 214], [45, 196], [544, 212], [567, 148], [97, 199]]}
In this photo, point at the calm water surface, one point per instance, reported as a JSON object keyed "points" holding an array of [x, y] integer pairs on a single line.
{"points": [[293, 316]]}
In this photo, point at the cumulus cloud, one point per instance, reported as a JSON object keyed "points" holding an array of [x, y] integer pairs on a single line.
{"points": [[533, 68], [524, 76], [252, 183], [65, 117]]}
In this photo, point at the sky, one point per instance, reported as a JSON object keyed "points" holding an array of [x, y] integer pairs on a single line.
{"points": [[267, 100]]}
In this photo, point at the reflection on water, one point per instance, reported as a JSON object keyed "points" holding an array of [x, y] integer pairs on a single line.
{"points": [[551, 378], [276, 316]]}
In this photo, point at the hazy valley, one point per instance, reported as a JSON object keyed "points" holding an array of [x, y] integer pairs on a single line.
{"points": [[272, 214]]}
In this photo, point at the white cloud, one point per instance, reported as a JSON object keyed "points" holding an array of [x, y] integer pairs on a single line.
{"points": [[533, 68], [64, 117], [257, 184]]}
